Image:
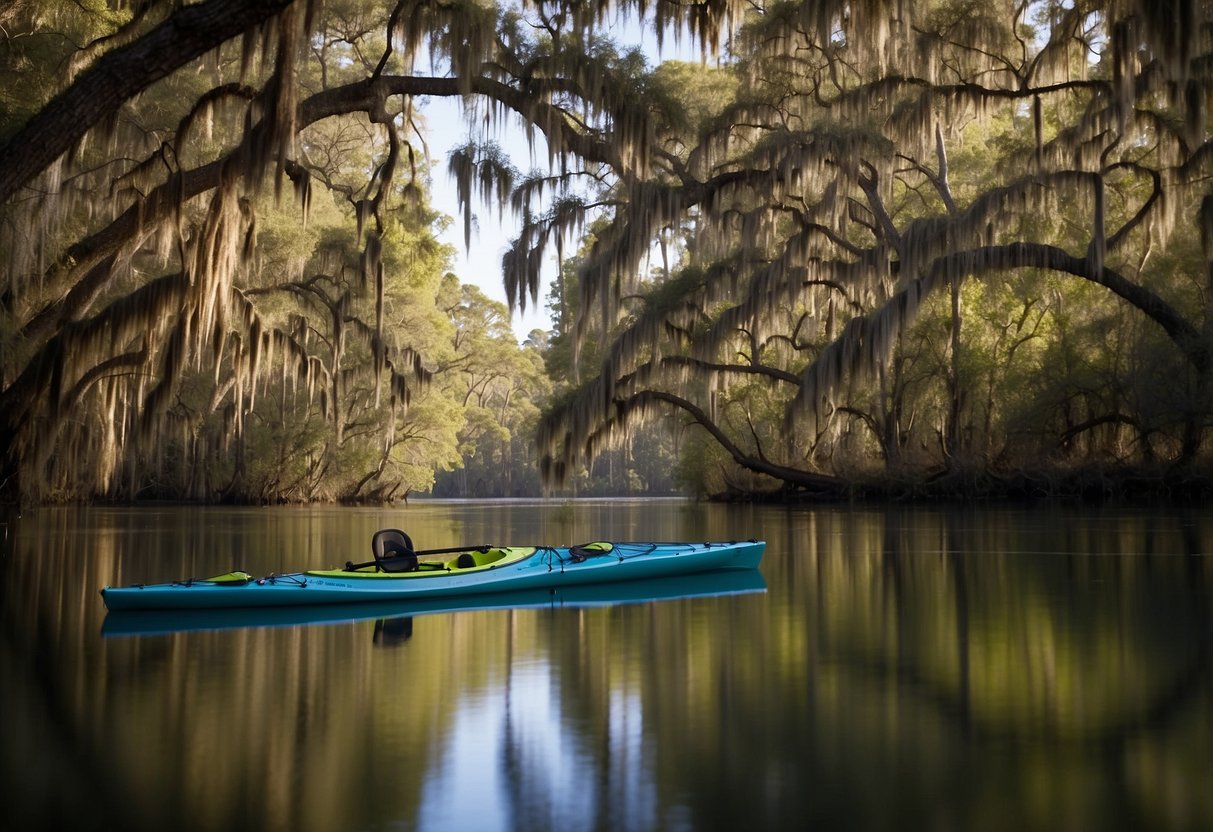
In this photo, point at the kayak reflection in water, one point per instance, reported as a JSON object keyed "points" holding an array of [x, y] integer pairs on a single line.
{"points": [[393, 632]]}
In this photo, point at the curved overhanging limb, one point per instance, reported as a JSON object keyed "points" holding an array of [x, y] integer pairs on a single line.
{"points": [[867, 340], [799, 478]]}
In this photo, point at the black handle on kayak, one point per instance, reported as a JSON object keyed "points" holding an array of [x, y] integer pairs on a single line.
{"points": [[350, 566]]}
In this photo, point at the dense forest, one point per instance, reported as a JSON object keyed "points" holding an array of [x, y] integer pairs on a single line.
{"points": [[877, 246]]}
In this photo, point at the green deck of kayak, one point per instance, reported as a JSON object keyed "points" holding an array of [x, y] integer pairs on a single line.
{"points": [[428, 567]]}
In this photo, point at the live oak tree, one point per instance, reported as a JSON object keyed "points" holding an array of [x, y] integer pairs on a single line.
{"points": [[131, 258], [136, 165], [845, 232], [135, 171]]}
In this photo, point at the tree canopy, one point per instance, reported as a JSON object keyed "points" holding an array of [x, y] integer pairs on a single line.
{"points": [[904, 236]]}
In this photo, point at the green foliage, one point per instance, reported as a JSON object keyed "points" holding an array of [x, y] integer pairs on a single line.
{"points": [[689, 96]]}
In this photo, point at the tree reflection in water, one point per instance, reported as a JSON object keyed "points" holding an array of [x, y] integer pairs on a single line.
{"points": [[1044, 669]]}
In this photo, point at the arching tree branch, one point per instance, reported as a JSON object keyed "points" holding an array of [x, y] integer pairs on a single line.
{"points": [[821, 483]]}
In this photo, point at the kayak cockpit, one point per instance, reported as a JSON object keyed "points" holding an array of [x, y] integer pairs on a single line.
{"points": [[432, 562]]}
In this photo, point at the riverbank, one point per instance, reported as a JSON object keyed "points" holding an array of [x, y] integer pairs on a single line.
{"points": [[1091, 484]]}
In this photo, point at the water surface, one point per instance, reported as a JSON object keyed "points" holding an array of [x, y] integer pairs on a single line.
{"points": [[904, 669]]}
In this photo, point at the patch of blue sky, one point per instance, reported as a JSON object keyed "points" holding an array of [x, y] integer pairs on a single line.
{"points": [[450, 123]]}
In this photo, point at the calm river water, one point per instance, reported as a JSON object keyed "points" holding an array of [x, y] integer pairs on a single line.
{"points": [[901, 669]]}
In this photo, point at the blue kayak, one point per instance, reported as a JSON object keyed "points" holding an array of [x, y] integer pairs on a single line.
{"points": [[400, 573]]}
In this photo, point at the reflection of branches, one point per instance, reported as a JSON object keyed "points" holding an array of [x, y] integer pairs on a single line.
{"points": [[954, 704], [32, 649], [525, 794]]}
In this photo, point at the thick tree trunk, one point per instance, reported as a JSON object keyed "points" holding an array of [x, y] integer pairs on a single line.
{"points": [[955, 393], [10, 471]]}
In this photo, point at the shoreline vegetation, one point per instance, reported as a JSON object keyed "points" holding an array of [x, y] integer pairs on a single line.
{"points": [[1089, 484], [1109, 485]]}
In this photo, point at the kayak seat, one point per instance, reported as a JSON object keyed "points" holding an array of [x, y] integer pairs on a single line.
{"points": [[402, 562], [470, 560], [393, 551]]}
